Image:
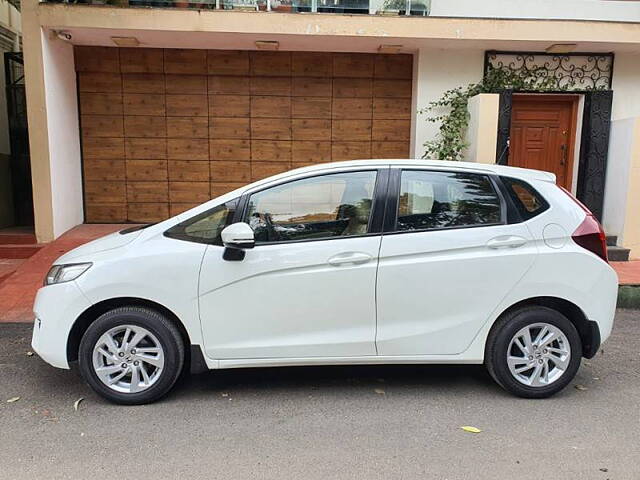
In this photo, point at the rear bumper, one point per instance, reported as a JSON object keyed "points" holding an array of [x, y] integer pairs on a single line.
{"points": [[605, 295], [603, 298], [56, 308]]}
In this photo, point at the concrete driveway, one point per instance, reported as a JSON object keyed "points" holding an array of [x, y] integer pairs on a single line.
{"points": [[326, 423]]}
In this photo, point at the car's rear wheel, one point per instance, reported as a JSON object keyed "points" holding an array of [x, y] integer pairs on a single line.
{"points": [[131, 355], [533, 352]]}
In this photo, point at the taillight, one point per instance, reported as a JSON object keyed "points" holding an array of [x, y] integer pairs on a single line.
{"points": [[589, 234]]}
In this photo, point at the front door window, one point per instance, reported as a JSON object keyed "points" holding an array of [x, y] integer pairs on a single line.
{"points": [[322, 207]]}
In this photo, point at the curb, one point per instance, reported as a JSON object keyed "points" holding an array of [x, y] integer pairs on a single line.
{"points": [[629, 296]]}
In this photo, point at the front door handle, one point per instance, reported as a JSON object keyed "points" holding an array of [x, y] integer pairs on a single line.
{"points": [[563, 158], [353, 258], [506, 241]]}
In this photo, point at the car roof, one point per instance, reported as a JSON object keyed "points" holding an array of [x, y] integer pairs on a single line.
{"points": [[503, 170]]}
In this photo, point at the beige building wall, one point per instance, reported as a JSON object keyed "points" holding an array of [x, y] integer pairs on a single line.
{"points": [[52, 108], [9, 16], [621, 215], [509, 33], [631, 233], [37, 113], [482, 134], [626, 91], [622, 193], [437, 71]]}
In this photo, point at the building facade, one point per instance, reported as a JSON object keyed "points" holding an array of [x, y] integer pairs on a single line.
{"points": [[139, 111]]}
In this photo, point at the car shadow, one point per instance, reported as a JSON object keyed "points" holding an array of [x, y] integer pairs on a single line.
{"points": [[329, 379]]}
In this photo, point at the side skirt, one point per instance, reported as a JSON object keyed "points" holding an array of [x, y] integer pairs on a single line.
{"points": [[366, 360]]}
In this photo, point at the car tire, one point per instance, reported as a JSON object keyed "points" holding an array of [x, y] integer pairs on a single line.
{"points": [[507, 342], [111, 365]]}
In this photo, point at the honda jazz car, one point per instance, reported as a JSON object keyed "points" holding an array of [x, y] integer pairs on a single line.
{"points": [[363, 262]]}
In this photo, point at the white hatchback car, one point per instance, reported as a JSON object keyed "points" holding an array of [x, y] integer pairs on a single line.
{"points": [[364, 262]]}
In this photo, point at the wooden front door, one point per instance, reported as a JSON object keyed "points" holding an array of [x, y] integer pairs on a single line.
{"points": [[543, 130]]}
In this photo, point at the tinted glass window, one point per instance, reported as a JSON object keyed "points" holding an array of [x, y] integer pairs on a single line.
{"points": [[336, 205], [446, 199], [206, 227], [528, 202]]}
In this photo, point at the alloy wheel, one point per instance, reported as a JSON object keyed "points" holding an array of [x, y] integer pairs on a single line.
{"points": [[538, 354], [128, 359]]}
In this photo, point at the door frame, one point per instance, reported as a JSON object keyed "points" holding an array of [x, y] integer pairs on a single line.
{"points": [[19, 159], [594, 141], [574, 101]]}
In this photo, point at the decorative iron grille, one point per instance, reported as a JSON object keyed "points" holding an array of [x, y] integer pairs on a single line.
{"points": [[569, 71]]}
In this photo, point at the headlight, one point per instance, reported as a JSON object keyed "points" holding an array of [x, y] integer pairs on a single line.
{"points": [[65, 273]]}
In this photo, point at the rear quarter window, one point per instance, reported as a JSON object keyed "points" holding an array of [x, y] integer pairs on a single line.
{"points": [[528, 202]]}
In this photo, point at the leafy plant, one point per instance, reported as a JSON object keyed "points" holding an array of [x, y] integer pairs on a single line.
{"points": [[394, 5], [451, 110]]}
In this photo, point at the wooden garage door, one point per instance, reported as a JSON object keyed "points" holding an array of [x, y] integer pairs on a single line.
{"points": [[165, 130]]}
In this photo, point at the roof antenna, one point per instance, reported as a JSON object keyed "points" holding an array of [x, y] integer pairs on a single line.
{"points": [[502, 155]]}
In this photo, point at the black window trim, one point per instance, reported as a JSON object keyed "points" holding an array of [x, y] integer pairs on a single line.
{"points": [[513, 214], [233, 204], [380, 193], [393, 196], [514, 208], [384, 210]]}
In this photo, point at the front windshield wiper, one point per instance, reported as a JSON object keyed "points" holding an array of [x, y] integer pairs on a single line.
{"points": [[136, 228]]}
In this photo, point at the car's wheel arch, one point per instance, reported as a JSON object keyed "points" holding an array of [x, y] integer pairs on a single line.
{"points": [[587, 329], [92, 313]]}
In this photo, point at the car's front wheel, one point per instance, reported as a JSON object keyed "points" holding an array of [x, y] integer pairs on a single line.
{"points": [[533, 352], [131, 355]]}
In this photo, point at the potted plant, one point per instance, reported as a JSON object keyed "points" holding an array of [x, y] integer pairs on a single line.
{"points": [[245, 5], [392, 7], [282, 5]]}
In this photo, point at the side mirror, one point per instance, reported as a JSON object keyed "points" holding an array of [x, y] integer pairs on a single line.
{"points": [[236, 238]]}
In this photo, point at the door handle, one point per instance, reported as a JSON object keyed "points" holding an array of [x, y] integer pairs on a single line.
{"points": [[563, 158], [353, 258], [506, 241]]}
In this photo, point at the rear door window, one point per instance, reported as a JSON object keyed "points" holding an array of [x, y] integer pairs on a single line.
{"points": [[435, 200]]}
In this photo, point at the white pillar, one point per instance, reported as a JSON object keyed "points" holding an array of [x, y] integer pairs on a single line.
{"points": [[436, 71], [64, 133], [482, 134], [53, 128]]}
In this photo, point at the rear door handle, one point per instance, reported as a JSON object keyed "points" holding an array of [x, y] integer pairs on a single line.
{"points": [[353, 258], [506, 241]]}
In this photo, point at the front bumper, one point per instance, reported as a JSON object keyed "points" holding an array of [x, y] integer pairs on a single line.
{"points": [[56, 308]]}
